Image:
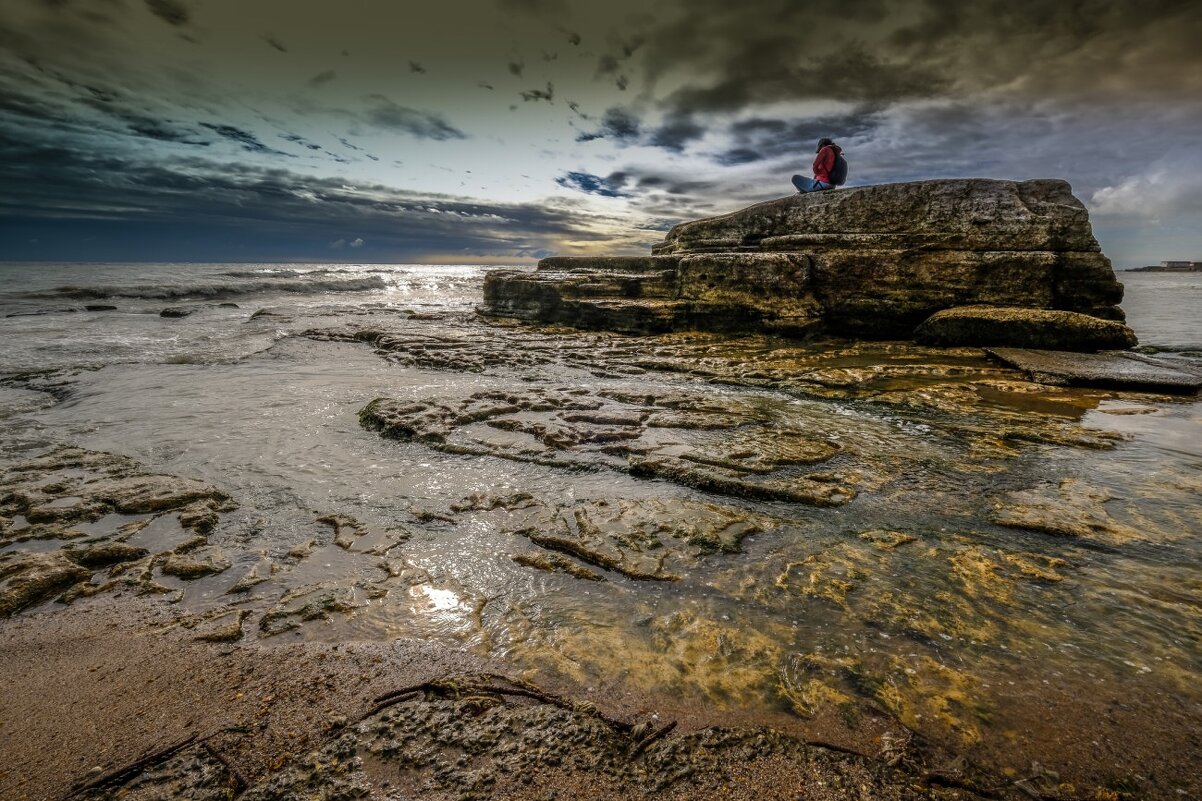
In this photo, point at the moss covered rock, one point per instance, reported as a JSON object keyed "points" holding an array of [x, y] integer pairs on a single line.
{"points": [[1017, 327]]}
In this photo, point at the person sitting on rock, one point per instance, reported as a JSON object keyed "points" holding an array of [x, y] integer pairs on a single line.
{"points": [[824, 164]]}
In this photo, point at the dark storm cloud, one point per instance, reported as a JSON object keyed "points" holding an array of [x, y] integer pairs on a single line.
{"points": [[246, 139], [18, 103], [1060, 47], [416, 67], [881, 56], [676, 132], [516, 67], [170, 11], [536, 95], [139, 122], [424, 125], [617, 123], [610, 64], [275, 43], [887, 52], [322, 78], [644, 182], [300, 140], [281, 213], [345, 143], [591, 184], [57, 103], [163, 131], [607, 64], [770, 71], [765, 139]]}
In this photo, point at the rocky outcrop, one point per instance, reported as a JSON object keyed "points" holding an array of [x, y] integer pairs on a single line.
{"points": [[871, 261]]}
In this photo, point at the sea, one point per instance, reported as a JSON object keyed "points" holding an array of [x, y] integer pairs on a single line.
{"points": [[214, 372]]}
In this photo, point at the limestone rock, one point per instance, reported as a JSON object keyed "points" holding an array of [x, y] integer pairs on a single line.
{"points": [[1017, 327], [104, 554], [963, 214], [196, 564], [139, 494], [29, 578], [869, 261], [723, 448]]}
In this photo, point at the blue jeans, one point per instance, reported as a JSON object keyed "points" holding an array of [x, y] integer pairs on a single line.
{"points": [[804, 184]]}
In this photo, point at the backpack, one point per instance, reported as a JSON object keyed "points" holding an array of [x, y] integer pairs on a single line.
{"points": [[839, 171]]}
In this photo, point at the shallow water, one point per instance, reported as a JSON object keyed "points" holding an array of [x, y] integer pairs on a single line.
{"points": [[1164, 308], [948, 593]]}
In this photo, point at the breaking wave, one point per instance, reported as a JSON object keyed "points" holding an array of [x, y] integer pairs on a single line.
{"points": [[284, 272], [242, 287]]}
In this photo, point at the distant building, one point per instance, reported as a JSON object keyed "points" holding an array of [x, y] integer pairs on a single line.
{"points": [[1173, 267]]}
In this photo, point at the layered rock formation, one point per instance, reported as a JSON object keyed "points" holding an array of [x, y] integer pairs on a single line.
{"points": [[871, 261]]}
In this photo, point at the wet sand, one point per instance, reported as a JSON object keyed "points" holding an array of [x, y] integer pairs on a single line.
{"points": [[93, 689]]}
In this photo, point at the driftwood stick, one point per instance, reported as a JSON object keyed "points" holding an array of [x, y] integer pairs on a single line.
{"points": [[487, 684], [121, 775], [391, 700], [562, 703]]}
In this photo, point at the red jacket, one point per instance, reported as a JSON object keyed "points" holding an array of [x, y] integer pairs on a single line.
{"points": [[824, 162]]}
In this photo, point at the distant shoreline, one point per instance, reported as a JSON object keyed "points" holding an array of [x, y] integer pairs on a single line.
{"points": [[1156, 268]]}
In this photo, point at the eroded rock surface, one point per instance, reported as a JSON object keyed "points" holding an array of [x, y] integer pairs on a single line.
{"points": [[647, 538], [724, 448], [83, 512], [1072, 509], [871, 261]]}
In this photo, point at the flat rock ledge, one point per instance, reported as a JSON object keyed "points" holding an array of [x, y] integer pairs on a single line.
{"points": [[871, 262], [1117, 370]]}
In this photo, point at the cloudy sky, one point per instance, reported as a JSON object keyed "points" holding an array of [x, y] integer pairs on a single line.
{"points": [[500, 131]]}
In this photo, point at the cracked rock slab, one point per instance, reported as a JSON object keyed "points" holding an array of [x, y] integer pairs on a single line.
{"points": [[1116, 370]]}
